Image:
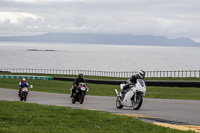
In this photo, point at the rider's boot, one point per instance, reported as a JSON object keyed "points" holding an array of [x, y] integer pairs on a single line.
{"points": [[19, 92], [72, 91]]}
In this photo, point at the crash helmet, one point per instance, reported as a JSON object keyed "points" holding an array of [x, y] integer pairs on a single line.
{"points": [[141, 74], [23, 80], [81, 76]]}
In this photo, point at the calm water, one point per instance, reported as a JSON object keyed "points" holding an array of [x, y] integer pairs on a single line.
{"points": [[98, 57]]}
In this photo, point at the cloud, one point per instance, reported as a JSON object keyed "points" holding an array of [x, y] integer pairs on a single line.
{"points": [[16, 17], [171, 18]]}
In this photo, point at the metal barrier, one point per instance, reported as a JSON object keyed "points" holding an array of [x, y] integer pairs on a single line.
{"points": [[26, 77], [148, 83], [122, 74]]}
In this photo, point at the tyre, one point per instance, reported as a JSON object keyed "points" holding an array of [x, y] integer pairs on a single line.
{"points": [[138, 103], [73, 101], [81, 99], [21, 98], [118, 103], [24, 98], [73, 98]]}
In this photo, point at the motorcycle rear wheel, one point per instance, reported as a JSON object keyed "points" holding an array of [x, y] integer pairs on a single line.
{"points": [[118, 103], [21, 98], [73, 98], [73, 101]]}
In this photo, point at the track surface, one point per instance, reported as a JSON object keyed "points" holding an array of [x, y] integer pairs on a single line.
{"points": [[185, 111]]}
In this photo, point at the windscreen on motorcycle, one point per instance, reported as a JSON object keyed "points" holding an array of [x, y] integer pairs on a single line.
{"points": [[141, 81], [82, 84], [25, 89]]}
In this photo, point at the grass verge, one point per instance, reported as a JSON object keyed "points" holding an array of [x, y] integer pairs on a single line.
{"points": [[20, 117], [189, 93]]}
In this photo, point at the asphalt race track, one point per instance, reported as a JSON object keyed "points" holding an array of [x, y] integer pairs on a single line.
{"points": [[180, 111]]}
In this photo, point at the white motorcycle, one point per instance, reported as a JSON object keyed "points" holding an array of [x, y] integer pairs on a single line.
{"points": [[133, 96]]}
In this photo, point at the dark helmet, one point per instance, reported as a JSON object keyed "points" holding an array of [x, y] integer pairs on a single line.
{"points": [[133, 79], [81, 76], [141, 74]]}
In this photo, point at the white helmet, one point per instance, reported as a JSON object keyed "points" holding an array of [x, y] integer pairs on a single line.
{"points": [[141, 74], [23, 80]]}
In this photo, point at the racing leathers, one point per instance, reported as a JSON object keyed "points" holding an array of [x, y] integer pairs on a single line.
{"points": [[76, 83], [131, 81]]}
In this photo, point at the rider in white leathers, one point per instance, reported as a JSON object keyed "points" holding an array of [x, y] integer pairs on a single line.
{"points": [[132, 81]]}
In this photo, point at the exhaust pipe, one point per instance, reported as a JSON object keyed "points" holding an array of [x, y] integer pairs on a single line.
{"points": [[116, 92]]}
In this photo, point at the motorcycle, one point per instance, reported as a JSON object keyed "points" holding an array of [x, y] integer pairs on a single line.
{"points": [[23, 94], [79, 94], [133, 97]]}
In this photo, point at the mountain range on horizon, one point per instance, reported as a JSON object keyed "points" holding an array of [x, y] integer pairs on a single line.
{"points": [[122, 39]]}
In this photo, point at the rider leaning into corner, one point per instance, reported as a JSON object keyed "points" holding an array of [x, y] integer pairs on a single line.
{"points": [[132, 81], [77, 81], [23, 83]]}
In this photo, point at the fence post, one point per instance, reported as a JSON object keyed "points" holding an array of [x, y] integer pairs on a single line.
{"points": [[178, 73], [186, 74]]}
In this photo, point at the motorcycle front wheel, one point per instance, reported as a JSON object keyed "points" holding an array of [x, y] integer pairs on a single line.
{"points": [[138, 103], [118, 103], [81, 98], [24, 98]]}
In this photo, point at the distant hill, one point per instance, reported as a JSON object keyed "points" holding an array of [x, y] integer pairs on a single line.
{"points": [[103, 39]]}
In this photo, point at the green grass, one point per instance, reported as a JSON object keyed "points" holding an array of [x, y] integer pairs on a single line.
{"points": [[175, 79], [20, 117], [55, 86], [189, 93]]}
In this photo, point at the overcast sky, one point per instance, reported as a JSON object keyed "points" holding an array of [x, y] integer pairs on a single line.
{"points": [[170, 18]]}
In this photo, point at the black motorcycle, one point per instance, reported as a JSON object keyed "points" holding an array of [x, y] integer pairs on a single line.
{"points": [[23, 94], [79, 94]]}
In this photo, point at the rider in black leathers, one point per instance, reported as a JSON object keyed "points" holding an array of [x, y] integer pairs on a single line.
{"points": [[77, 81], [133, 80]]}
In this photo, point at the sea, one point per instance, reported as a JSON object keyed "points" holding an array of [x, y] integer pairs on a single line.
{"points": [[99, 57]]}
